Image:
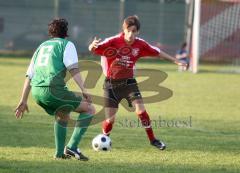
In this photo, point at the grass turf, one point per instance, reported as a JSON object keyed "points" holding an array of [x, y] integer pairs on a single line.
{"points": [[209, 144]]}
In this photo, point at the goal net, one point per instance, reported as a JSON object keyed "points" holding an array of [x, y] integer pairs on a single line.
{"points": [[216, 34]]}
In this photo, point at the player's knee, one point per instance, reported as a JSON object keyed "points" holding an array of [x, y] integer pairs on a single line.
{"points": [[83, 107], [110, 120], [63, 118], [91, 110], [87, 108], [139, 111]]}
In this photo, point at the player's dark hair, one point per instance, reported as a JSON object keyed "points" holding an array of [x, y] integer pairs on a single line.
{"points": [[58, 28], [184, 44], [131, 21]]}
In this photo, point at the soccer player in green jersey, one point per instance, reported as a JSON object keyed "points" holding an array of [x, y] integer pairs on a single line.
{"points": [[45, 76]]}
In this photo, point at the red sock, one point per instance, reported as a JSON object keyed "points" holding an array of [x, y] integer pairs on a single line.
{"points": [[147, 125], [106, 127]]}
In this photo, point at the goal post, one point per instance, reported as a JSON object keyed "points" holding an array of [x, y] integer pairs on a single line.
{"points": [[196, 36], [215, 34]]}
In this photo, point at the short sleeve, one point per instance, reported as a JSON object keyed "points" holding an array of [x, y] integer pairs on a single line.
{"points": [[70, 57], [30, 70], [149, 50]]}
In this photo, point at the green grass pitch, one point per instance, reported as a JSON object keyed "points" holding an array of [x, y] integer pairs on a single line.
{"points": [[210, 144]]}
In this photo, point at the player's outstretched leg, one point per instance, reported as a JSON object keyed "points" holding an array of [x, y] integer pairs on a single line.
{"points": [[159, 144], [146, 123]]}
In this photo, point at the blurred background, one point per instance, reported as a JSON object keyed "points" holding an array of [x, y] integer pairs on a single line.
{"points": [[23, 23], [164, 23]]}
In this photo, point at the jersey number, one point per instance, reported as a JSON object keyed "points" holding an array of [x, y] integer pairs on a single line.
{"points": [[44, 54]]}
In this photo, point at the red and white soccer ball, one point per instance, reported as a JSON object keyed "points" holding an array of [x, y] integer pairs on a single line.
{"points": [[101, 143]]}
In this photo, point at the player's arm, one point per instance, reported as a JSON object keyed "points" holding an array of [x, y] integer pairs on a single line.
{"points": [[183, 55], [70, 60], [22, 105], [79, 81], [149, 50], [164, 55]]}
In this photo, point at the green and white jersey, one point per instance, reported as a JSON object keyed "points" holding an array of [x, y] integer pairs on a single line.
{"points": [[50, 62]]}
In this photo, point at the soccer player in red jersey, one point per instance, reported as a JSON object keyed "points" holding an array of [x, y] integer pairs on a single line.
{"points": [[118, 57]]}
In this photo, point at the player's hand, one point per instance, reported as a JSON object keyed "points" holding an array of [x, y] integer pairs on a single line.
{"points": [[181, 63], [20, 109], [87, 97], [94, 43]]}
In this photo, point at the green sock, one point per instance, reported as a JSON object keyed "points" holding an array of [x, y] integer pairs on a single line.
{"points": [[60, 131], [80, 128]]}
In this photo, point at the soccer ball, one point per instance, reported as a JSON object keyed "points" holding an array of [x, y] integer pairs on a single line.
{"points": [[101, 143]]}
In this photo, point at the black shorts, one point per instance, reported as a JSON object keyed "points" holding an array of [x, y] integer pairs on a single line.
{"points": [[116, 90]]}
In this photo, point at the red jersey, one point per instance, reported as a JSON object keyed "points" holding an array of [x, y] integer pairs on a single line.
{"points": [[118, 58]]}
